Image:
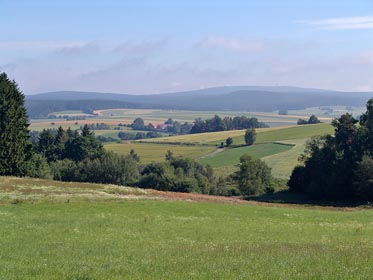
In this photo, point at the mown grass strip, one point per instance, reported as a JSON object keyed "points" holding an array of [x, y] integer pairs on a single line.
{"points": [[232, 156]]}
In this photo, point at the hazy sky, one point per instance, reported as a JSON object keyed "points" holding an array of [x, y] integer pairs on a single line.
{"points": [[157, 46]]}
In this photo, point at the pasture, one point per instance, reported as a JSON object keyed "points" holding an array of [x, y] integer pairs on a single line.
{"points": [[281, 158], [279, 147], [232, 156], [211, 138], [289, 133], [264, 135], [160, 116], [156, 152], [282, 164], [156, 116], [146, 237]]}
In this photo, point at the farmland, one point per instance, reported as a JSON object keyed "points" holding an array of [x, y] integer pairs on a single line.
{"points": [[156, 152], [279, 146], [139, 235], [156, 116], [232, 156]]}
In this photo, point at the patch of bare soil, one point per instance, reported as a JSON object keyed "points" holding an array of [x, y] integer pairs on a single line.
{"points": [[196, 197], [193, 197]]}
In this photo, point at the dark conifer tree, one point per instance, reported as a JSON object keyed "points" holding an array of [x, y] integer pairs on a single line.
{"points": [[15, 147]]}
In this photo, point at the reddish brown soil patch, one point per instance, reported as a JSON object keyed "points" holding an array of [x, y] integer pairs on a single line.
{"points": [[238, 200], [197, 197]]}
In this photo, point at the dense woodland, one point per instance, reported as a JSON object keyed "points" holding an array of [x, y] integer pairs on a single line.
{"points": [[339, 166]]}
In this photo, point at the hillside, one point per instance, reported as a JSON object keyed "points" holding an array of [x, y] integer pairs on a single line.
{"points": [[66, 235], [243, 98], [279, 147]]}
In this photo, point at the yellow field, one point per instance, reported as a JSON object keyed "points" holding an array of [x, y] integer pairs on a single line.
{"points": [[156, 152], [282, 164], [207, 138]]}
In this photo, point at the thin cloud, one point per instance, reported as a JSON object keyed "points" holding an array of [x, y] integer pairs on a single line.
{"points": [[144, 47], [34, 45], [81, 48], [342, 23], [232, 44]]}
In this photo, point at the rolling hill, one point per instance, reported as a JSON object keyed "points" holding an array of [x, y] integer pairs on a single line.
{"points": [[244, 98]]}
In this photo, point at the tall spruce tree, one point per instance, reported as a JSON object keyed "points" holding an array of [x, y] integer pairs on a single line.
{"points": [[15, 147]]}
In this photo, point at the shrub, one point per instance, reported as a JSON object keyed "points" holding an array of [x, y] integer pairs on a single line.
{"points": [[38, 167], [108, 169], [253, 177]]}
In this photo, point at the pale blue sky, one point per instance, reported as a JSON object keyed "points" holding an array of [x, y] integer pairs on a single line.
{"points": [[161, 46]]}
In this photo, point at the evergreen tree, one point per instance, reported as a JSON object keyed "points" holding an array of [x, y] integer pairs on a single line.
{"points": [[15, 147], [46, 145]]}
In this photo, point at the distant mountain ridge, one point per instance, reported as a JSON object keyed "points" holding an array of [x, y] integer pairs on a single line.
{"points": [[82, 95], [232, 98]]}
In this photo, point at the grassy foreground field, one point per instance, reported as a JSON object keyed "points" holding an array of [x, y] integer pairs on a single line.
{"points": [[161, 239]]}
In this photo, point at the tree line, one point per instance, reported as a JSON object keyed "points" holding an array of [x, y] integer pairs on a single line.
{"points": [[339, 166], [214, 124], [223, 124]]}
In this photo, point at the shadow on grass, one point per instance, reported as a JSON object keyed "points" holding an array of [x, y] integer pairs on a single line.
{"points": [[288, 197]]}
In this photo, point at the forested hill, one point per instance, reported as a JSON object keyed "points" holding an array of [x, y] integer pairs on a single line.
{"points": [[239, 98]]}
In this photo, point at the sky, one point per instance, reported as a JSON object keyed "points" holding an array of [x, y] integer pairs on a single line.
{"points": [[156, 46]]}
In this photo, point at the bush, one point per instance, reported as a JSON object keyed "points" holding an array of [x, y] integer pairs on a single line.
{"points": [[37, 167], [65, 170], [312, 120], [301, 122], [254, 176], [159, 176], [108, 169], [178, 174]]}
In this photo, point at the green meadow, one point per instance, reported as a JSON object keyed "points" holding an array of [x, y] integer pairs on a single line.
{"points": [[289, 133], [53, 232], [232, 156], [279, 147], [149, 152]]}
